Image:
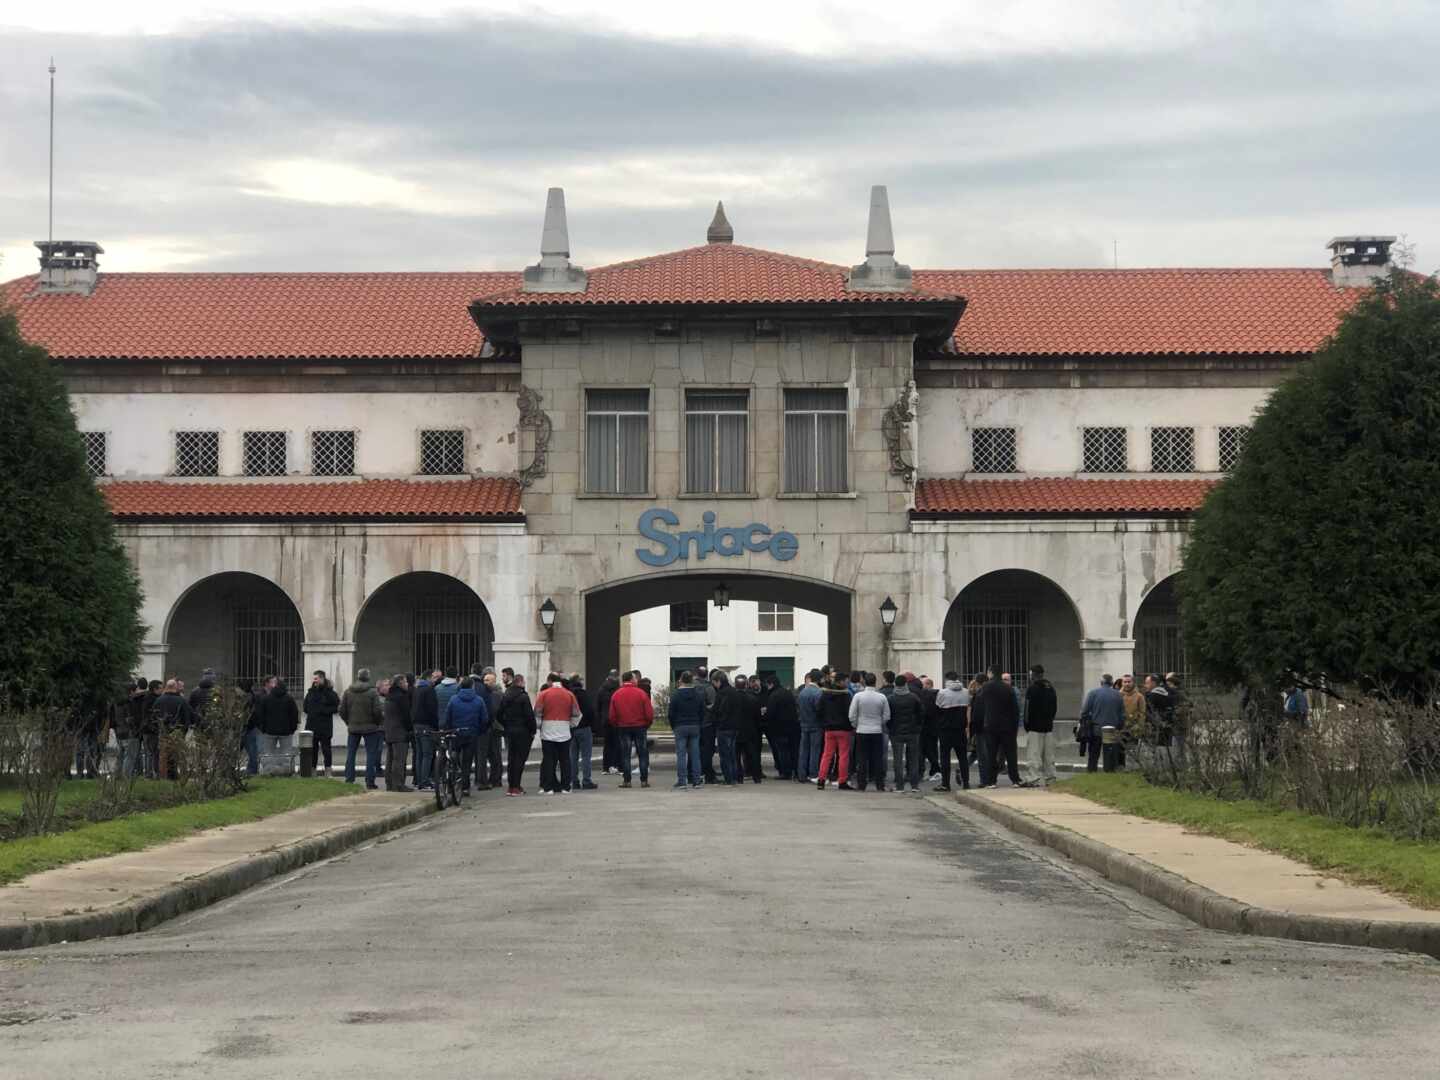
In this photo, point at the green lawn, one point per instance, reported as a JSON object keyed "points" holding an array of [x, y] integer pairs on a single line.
{"points": [[31, 854], [1406, 868], [75, 795]]}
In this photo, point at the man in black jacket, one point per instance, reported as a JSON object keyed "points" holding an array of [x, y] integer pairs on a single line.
{"points": [[747, 729], [782, 727], [278, 718], [705, 682], [1040, 709], [995, 705], [611, 754], [907, 721], [321, 705], [517, 714], [582, 735]]}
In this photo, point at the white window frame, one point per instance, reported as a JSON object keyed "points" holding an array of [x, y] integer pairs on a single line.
{"points": [[1171, 429], [91, 438], [774, 611], [1124, 448], [268, 451], [714, 488], [992, 433], [617, 491], [786, 412], [464, 436], [333, 432], [175, 449]]}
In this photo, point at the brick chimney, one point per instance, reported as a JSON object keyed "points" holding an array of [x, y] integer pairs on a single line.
{"points": [[1357, 262], [554, 273], [879, 272], [69, 266]]}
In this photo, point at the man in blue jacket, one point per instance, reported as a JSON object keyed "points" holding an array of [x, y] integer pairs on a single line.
{"points": [[466, 713], [687, 715]]}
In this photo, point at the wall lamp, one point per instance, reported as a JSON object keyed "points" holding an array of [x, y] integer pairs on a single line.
{"points": [[548, 611], [722, 595], [888, 611]]}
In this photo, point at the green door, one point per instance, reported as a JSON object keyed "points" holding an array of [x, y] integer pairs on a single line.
{"points": [[684, 663], [782, 667]]}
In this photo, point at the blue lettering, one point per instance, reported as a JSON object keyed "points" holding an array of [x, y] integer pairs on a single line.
{"points": [[783, 546], [755, 530], [725, 542], [669, 546], [736, 538]]}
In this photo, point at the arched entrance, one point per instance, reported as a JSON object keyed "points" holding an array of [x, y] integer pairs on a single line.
{"points": [[1012, 619], [242, 625], [421, 621], [606, 605], [1159, 638]]}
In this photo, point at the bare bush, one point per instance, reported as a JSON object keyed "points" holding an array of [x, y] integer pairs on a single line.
{"points": [[46, 750], [207, 757], [114, 795]]}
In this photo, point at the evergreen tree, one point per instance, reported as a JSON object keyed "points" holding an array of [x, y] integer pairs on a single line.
{"points": [[69, 598], [1320, 555]]}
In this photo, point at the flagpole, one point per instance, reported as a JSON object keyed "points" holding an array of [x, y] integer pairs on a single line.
{"points": [[51, 230]]}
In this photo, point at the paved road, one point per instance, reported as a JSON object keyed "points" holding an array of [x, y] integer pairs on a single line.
{"points": [[723, 933]]}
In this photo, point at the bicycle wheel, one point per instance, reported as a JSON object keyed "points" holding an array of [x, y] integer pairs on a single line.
{"points": [[437, 777], [452, 777]]}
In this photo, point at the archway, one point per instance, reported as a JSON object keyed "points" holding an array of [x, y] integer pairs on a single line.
{"points": [[1012, 619], [607, 605], [242, 625], [421, 621], [1159, 638]]}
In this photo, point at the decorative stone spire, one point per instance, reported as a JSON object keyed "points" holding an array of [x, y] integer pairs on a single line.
{"points": [[554, 273], [879, 272], [719, 231]]}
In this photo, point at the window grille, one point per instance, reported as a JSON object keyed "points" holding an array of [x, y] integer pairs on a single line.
{"points": [[451, 630], [332, 453], [690, 616], [1172, 449], [442, 453], [776, 617], [816, 437], [95, 458], [617, 441], [264, 453], [997, 634], [197, 453], [1105, 450], [715, 438], [267, 641], [1232, 445], [992, 450]]}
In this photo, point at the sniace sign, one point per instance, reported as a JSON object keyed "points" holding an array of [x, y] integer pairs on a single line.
{"points": [[671, 547]]}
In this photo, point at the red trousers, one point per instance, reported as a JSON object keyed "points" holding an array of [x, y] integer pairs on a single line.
{"points": [[837, 744]]}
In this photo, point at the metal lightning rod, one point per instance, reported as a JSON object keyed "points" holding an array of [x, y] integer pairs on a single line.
{"points": [[51, 231]]}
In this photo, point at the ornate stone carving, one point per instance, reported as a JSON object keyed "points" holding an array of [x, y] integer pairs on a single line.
{"points": [[534, 418], [896, 428]]}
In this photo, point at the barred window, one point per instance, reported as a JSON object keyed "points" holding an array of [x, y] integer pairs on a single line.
{"points": [[1232, 445], [1105, 450], [332, 453], [816, 437], [442, 453], [773, 617], [617, 441], [715, 438], [992, 450], [690, 616], [264, 453], [197, 453], [95, 457], [1172, 449]]}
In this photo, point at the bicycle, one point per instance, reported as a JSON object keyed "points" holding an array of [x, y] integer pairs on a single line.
{"points": [[447, 773]]}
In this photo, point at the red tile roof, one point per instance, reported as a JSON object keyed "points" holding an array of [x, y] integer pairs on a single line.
{"points": [[711, 274], [1131, 312], [1059, 495], [486, 499]]}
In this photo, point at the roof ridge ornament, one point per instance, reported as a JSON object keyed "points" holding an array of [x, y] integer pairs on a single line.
{"points": [[879, 272], [720, 231], [554, 273]]}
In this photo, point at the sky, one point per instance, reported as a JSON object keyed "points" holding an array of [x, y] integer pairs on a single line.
{"points": [[1011, 133]]}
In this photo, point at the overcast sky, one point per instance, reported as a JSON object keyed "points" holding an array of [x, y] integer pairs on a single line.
{"points": [[1010, 133]]}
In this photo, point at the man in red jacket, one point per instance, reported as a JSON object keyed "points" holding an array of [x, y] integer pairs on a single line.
{"points": [[631, 714]]}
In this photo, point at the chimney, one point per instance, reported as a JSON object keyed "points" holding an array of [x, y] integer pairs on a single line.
{"points": [[1357, 262], [554, 273], [719, 231], [879, 272], [69, 266]]}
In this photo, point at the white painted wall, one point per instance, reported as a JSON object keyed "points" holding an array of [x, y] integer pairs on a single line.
{"points": [[733, 642], [140, 428], [1049, 422]]}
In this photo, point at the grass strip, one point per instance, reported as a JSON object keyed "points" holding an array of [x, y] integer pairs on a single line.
{"points": [[264, 798], [1406, 868]]}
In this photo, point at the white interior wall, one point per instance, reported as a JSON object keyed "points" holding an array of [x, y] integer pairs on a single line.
{"points": [[733, 642]]}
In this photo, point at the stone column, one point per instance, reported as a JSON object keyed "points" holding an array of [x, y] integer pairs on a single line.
{"points": [[528, 658], [919, 656], [1105, 656], [152, 659]]}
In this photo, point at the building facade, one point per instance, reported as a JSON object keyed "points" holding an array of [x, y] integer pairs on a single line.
{"points": [[399, 471]]}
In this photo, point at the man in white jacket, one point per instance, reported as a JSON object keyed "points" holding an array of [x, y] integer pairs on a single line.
{"points": [[869, 713]]}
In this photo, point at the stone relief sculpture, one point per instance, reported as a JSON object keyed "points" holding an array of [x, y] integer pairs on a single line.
{"points": [[534, 418], [895, 426]]}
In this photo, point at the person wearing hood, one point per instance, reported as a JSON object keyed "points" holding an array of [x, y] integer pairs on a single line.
{"points": [[953, 704], [517, 715], [397, 725], [364, 716], [468, 714], [907, 715], [1040, 708], [321, 703], [278, 718]]}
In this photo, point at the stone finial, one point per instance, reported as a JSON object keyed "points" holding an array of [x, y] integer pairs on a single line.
{"points": [[879, 272], [554, 273], [719, 231]]}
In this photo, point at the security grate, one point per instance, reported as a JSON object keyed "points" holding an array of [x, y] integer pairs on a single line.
{"points": [[1232, 445], [267, 641], [1172, 449], [1105, 450], [992, 450], [332, 453], [197, 453], [264, 453], [992, 634], [442, 453], [451, 631], [95, 457]]}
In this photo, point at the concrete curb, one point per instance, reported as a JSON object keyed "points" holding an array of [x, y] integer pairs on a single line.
{"points": [[1202, 905], [205, 889]]}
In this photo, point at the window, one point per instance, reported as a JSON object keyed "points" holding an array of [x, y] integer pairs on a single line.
{"points": [[332, 453], [815, 440], [715, 437], [95, 453], [996, 634], [264, 453], [197, 453], [1232, 445], [689, 617], [442, 453], [617, 441], [1172, 449], [1105, 449], [776, 616], [992, 450]]}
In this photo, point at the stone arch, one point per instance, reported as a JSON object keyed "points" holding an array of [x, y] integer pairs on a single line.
{"points": [[242, 624], [1159, 638], [423, 619]]}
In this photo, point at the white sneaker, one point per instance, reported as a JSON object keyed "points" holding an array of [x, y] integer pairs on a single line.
{"points": [[935, 778]]}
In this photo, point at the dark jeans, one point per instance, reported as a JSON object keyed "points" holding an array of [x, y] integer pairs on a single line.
{"points": [[905, 752], [638, 738], [465, 744], [812, 741], [395, 765], [954, 741], [1002, 745], [747, 755], [554, 755], [611, 757], [582, 747], [487, 758], [930, 748], [424, 755], [373, 740], [870, 750], [729, 768], [518, 740], [707, 752], [324, 733], [687, 755], [251, 741], [784, 749]]}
